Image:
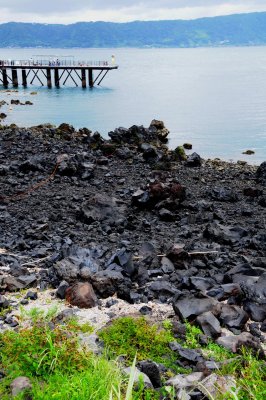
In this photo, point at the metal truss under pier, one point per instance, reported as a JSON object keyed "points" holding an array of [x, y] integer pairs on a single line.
{"points": [[53, 73]]}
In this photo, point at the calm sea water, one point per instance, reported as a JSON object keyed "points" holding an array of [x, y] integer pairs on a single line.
{"points": [[214, 98]]}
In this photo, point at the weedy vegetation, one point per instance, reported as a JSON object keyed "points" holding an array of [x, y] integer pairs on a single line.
{"points": [[51, 356]]}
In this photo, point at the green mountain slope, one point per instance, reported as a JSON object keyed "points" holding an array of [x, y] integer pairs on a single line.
{"points": [[238, 30]]}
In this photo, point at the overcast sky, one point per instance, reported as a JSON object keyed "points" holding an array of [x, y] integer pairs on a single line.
{"points": [[70, 11]]}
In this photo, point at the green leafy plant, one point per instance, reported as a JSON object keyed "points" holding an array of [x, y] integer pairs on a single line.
{"points": [[192, 336]]}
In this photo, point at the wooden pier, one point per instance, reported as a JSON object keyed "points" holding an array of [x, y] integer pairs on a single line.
{"points": [[54, 73]]}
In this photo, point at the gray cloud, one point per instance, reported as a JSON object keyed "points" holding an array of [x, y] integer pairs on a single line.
{"points": [[73, 10], [54, 6]]}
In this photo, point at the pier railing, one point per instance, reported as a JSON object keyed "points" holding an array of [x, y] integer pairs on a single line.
{"points": [[54, 63], [55, 70]]}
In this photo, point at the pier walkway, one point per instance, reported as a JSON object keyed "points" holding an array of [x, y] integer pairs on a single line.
{"points": [[55, 71]]}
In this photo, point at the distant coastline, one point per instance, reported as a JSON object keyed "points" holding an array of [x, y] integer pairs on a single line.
{"points": [[224, 31]]}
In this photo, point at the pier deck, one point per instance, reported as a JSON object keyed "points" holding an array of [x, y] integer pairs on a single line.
{"points": [[55, 72]]}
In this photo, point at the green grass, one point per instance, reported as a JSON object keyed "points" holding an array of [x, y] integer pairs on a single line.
{"points": [[128, 336], [51, 356], [54, 358]]}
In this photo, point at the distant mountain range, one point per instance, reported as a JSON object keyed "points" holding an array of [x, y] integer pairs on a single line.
{"points": [[232, 30]]}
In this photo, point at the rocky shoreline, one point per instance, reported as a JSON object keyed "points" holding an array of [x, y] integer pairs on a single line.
{"points": [[129, 219]]}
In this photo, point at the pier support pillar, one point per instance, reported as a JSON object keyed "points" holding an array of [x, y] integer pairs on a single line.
{"points": [[5, 80], [56, 77], [49, 79], [90, 77], [24, 77], [83, 78], [15, 77]]}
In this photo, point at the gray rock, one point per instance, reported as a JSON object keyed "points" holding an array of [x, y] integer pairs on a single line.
{"points": [[257, 312], [123, 258], [107, 283], [21, 282], [66, 270], [209, 324], [224, 234], [223, 194], [20, 384], [167, 265], [193, 160], [151, 369], [261, 172], [166, 215], [139, 375], [214, 386], [91, 341], [182, 381], [101, 208], [188, 307], [4, 303], [61, 290], [235, 342], [202, 284], [231, 316]]}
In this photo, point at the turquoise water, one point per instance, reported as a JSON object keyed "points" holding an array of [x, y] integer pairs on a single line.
{"points": [[214, 98]]}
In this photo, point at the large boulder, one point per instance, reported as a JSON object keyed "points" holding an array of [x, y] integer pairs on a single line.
{"points": [[209, 324], [189, 307], [224, 234], [261, 173], [101, 208], [82, 295]]}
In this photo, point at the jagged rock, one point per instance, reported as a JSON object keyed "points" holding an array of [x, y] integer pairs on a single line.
{"points": [[151, 369], [81, 295], [160, 129], [123, 258], [101, 208], [231, 316], [149, 152], [166, 215], [193, 160], [234, 343], [145, 310], [66, 270], [4, 303], [21, 282], [257, 312], [261, 172], [189, 307], [209, 324], [191, 355], [167, 266], [66, 131], [107, 283], [223, 194], [61, 290], [224, 234], [202, 284], [163, 288]]}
